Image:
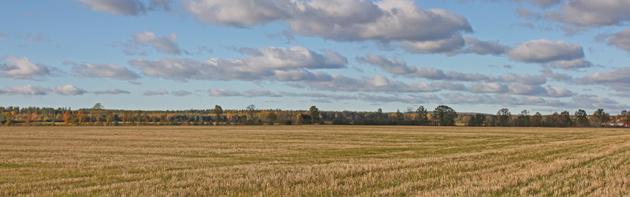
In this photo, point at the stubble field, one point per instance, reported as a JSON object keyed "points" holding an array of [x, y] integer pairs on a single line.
{"points": [[313, 161]]}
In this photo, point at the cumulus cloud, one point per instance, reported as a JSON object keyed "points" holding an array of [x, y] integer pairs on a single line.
{"points": [[589, 13], [448, 45], [23, 68], [543, 3], [111, 92], [116, 7], [165, 44], [597, 102], [68, 90], [570, 64], [239, 12], [400, 67], [555, 54], [351, 20], [620, 40], [376, 83], [265, 63], [544, 51], [25, 90], [181, 93], [218, 92], [521, 89], [517, 84], [65, 90], [103, 71], [126, 7], [155, 93], [178, 93], [481, 47], [616, 78], [160, 4]]}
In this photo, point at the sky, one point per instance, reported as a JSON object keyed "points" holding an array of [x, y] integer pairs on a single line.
{"points": [[360, 55]]}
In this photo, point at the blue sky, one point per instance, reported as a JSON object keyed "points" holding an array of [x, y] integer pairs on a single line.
{"points": [[482, 55]]}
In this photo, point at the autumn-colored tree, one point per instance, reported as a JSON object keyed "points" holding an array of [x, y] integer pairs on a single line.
{"points": [[67, 117], [9, 116], [299, 119]]}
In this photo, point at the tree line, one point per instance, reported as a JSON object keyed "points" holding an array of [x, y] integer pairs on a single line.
{"points": [[440, 116]]}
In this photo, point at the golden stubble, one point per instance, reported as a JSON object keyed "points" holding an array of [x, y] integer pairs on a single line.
{"points": [[313, 161]]}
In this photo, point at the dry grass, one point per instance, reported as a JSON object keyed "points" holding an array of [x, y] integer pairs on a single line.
{"points": [[314, 161]]}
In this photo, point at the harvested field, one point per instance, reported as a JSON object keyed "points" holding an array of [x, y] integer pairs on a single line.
{"points": [[313, 161]]}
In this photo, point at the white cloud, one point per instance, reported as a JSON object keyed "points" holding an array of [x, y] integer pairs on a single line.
{"points": [[127, 7], [570, 64], [116, 7], [26, 90], [543, 3], [68, 90], [181, 93], [447, 45], [165, 44], [621, 40], [258, 64], [617, 79], [349, 20], [111, 92], [103, 71], [480, 47], [156, 93], [590, 13], [23, 68], [544, 51], [400, 67], [553, 54], [219, 92], [239, 12]]}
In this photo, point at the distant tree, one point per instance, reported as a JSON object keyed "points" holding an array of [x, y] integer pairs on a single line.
{"points": [[600, 117], [299, 119], [98, 106], [80, 117], [251, 112], [523, 119], [477, 120], [109, 118], [444, 115], [537, 120], [218, 112], [581, 118], [565, 119], [380, 111], [9, 118], [504, 116], [96, 113], [398, 116], [423, 118], [553, 120], [314, 112], [625, 115], [270, 117], [67, 117]]}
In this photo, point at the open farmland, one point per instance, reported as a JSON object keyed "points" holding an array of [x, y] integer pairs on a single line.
{"points": [[313, 161]]}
